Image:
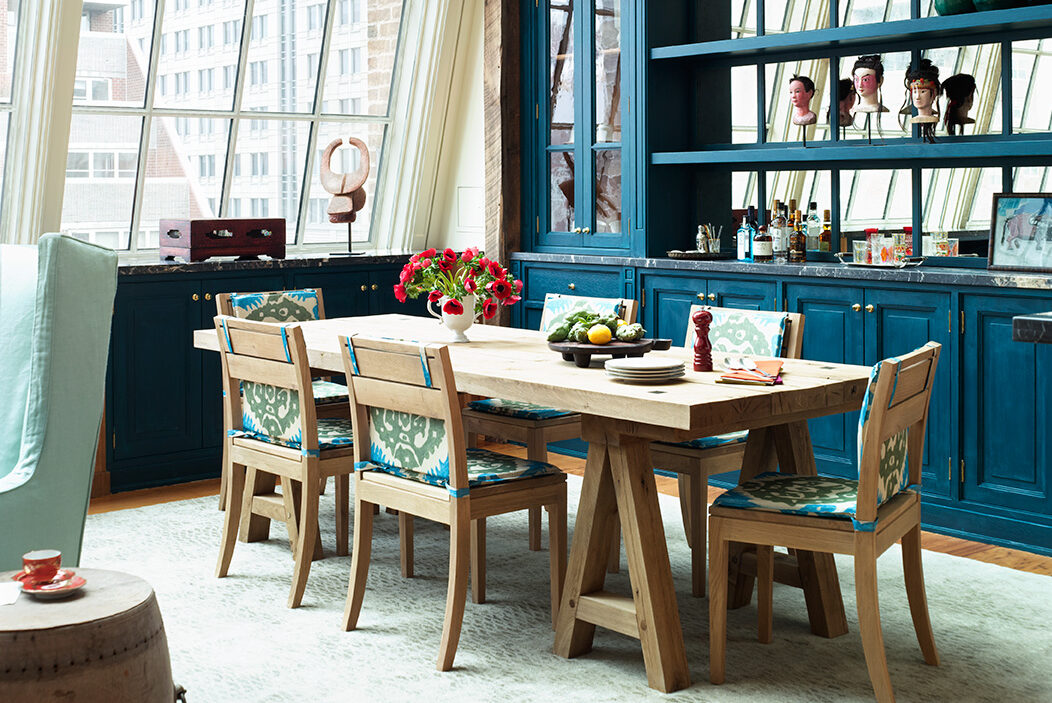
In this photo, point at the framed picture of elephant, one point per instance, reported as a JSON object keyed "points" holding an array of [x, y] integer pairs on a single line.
{"points": [[1021, 232]]}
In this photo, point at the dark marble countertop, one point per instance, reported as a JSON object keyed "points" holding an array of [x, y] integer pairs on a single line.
{"points": [[917, 274], [220, 264], [1033, 328]]}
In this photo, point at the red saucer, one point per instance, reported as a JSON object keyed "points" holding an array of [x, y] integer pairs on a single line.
{"points": [[65, 583]]}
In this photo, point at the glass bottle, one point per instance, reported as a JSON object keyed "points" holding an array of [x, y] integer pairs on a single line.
{"points": [[825, 240], [798, 241], [742, 235], [814, 227], [762, 246], [779, 231]]}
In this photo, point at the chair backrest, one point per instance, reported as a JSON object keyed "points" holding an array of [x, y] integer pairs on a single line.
{"points": [[758, 332], [557, 307], [273, 306], [56, 309], [891, 427], [265, 374], [404, 408]]}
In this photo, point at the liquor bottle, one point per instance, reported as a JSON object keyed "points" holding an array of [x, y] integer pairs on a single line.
{"points": [[753, 226], [825, 240], [779, 231], [814, 227], [742, 236], [798, 241], [762, 246]]}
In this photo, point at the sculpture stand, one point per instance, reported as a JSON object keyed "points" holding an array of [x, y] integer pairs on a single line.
{"points": [[350, 246], [702, 346]]}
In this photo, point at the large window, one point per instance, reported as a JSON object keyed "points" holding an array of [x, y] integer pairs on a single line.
{"points": [[216, 114], [9, 33]]}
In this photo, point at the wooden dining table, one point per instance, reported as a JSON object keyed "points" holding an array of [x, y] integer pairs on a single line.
{"points": [[619, 421]]}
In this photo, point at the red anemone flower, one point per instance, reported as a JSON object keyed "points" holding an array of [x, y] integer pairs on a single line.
{"points": [[399, 291], [489, 308], [499, 288], [470, 285], [445, 264], [512, 299], [449, 254], [516, 286], [469, 254], [434, 296], [496, 270], [428, 253], [453, 307]]}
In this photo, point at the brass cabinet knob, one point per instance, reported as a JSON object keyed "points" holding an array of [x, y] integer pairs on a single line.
{"points": [[577, 230], [586, 230], [571, 286], [208, 296], [195, 297], [701, 296], [869, 308], [363, 287], [712, 296], [856, 307], [375, 286]]}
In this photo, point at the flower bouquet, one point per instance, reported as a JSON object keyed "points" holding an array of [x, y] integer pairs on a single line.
{"points": [[464, 285]]}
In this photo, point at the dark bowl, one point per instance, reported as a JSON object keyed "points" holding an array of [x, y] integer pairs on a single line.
{"points": [[662, 344]]}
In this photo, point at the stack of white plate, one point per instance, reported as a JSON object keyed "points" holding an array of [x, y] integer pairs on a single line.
{"points": [[644, 369]]}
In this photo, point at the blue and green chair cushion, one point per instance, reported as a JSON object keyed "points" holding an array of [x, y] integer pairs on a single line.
{"points": [[751, 332], [326, 392], [277, 306], [556, 309], [719, 440], [826, 495], [754, 332], [272, 414], [517, 409], [416, 448]]}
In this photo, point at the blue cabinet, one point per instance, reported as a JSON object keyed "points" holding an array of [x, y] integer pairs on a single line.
{"points": [[539, 279], [1006, 387]]}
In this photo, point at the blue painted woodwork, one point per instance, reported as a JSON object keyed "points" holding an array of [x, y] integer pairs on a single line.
{"points": [[592, 281], [163, 409], [1006, 387], [669, 296]]}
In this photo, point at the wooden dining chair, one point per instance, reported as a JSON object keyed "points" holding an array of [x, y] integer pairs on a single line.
{"points": [[827, 514], [537, 425], [283, 306], [410, 455], [733, 331], [270, 431]]}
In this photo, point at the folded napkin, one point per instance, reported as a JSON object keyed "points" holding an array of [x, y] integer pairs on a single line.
{"points": [[772, 366]]}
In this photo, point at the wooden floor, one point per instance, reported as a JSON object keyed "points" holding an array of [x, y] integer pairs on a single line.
{"points": [[1002, 556]]}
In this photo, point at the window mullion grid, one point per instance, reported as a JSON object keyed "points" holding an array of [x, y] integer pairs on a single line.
{"points": [[235, 121], [315, 127], [146, 126]]}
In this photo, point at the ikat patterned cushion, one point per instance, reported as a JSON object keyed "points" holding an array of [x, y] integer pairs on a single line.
{"points": [[558, 307], [516, 408], [484, 467], [894, 467], [328, 392], [278, 306], [744, 332], [719, 440]]}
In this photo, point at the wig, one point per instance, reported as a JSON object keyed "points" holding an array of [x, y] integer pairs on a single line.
{"points": [[809, 85], [959, 88], [870, 61]]}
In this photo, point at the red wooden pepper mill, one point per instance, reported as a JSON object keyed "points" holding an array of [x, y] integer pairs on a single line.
{"points": [[702, 346]]}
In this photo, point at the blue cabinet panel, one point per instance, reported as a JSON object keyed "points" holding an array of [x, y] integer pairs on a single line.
{"points": [[747, 295], [832, 332], [346, 293], [541, 279], [1005, 439], [902, 321], [156, 372], [668, 300]]}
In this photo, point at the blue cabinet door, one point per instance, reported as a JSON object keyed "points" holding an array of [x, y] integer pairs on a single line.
{"points": [[747, 295], [1006, 386], [902, 321], [156, 372], [541, 279], [668, 300], [346, 293], [833, 331]]}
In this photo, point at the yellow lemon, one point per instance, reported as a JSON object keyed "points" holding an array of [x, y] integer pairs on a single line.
{"points": [[621, 322], [599, 334]]}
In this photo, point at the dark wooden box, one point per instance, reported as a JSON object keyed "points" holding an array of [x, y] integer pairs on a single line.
{"points": [[196, 240]]}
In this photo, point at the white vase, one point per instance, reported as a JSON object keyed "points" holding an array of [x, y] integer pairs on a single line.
{"points": [[456, 324]]}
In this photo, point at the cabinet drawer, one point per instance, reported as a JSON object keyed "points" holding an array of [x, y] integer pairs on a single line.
{"points": [[593, 282]]}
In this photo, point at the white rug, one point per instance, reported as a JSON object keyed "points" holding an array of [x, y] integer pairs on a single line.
{"points": [[234, 640]]}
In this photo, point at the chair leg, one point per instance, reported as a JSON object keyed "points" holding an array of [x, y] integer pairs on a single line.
{"points": [[456, 594], [322, 481], [536, 450], [914, 572], [308, 538], [478, 560], [288, 499], [295, 489], [557, 552], [363, 547], [405, 543], [685, 508], [256, 528], [697, 493], [869, 616], [764, 591], [718, 562], [343, 509], [223, 474], [232, 519]]}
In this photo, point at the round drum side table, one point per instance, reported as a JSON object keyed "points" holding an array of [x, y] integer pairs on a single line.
{"points": [[103, 644]]}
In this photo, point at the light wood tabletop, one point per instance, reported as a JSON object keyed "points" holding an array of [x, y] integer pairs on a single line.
{"points": [[619, 422]]}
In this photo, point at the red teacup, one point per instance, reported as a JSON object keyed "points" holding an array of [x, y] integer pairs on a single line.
{"points": [[41, 565]]}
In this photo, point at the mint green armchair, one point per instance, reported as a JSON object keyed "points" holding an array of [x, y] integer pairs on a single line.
{"points": [[56, 303]]}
